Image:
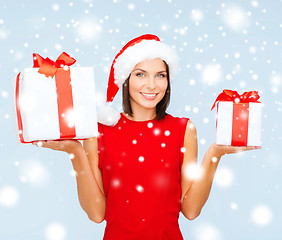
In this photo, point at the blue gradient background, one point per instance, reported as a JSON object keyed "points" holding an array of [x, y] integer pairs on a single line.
{"points": [[36, 26]]}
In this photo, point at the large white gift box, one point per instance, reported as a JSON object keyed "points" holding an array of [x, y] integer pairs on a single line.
{"points": [[58, 107]]}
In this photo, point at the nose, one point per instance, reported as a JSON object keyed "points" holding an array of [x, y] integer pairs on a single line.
{"points": [[151, 83]]}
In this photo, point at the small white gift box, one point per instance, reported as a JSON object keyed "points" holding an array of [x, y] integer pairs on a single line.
{"points": [[238, 124]]}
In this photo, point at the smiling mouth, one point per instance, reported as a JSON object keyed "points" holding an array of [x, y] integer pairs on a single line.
{"points": [[150, 96]]}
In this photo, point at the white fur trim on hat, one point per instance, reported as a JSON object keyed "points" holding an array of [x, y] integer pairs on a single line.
{"points": [[108, 115], [146, 49]]}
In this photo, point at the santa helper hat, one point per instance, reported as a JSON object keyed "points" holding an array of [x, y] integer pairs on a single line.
{"points": [[144, 47]]}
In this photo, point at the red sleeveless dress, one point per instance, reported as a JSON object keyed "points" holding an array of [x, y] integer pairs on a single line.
{"points": [[140, 163]]}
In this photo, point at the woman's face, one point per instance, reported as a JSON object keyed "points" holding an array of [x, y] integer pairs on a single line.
{"points": [[147, 84]]}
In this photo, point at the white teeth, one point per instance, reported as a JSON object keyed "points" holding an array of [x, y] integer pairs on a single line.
{"points": [[149, 95]]}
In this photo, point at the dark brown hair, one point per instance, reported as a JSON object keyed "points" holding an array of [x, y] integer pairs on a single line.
{"points": [[161, 106]]}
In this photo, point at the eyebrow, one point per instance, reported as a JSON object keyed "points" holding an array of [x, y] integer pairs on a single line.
{"points": [[146, 71]]}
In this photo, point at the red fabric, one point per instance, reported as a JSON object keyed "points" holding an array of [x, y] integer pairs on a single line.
{"points": [[152, 212]]}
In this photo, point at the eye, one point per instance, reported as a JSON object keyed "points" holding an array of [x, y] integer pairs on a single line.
{"points": [[140, 74], [161, 75]]}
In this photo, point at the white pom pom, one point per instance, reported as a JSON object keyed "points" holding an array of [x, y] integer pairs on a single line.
{"points": [[107, 115]]}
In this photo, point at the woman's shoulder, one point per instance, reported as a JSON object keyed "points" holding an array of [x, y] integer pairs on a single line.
{"points": [[176, 120], [169, 116]]}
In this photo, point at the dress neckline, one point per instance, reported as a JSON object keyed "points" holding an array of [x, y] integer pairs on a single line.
{"points": [[144, 121]]}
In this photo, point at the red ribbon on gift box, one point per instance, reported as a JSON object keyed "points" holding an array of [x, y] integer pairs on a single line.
{"points": [[240, 113], [59, 69], [48, 67], [229, 95]]}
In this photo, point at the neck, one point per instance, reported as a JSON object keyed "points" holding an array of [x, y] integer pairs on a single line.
{"points": [[143, 114]]}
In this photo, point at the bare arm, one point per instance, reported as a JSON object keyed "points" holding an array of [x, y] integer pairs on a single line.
{"points": [[196, 196], [91, 197], [196, 189]]}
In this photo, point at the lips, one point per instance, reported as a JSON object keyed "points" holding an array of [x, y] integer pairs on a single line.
{"points": [[149, 96]]}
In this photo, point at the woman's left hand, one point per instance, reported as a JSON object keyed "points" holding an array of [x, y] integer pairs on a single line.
{"points": [[68, 146], [220, 150]]}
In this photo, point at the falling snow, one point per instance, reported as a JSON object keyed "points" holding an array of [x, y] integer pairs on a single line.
{"points": [[235, 17], [55, 231], [89, 30], [193, 171], [211, 74], [261, 215], [222, 45], [224, 177], [35, 173], [207, 231], [139, 188], [9, 196]]}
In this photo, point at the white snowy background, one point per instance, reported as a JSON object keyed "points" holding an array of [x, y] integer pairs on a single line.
{"points": [[221, 44]]}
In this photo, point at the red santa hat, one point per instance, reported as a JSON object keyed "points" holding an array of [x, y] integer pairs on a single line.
{"points": [[144, 47]]}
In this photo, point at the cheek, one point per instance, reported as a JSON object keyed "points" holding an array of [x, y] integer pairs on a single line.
{"points": [[163, 85], [134, 86]]}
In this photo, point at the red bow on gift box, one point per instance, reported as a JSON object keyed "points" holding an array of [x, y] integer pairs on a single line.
{"points": [[48, 67], [234, 96]]}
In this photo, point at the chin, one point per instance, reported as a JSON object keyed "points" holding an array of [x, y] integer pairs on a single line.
{"points": [[147, 105]]}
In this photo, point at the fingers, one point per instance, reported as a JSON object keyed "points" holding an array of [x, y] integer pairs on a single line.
{"points": [[227, 149], [242, 149], [42, 143], [37, 143], [251, 148], [53, 144]]}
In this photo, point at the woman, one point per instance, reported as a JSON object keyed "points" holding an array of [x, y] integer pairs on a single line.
{"points": [[134, 174]]}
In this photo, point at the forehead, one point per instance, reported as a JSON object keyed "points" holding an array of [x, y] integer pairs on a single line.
{"points": [[151, 64]]}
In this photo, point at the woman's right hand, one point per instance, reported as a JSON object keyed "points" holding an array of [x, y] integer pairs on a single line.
{"points": [[69, 146]]}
